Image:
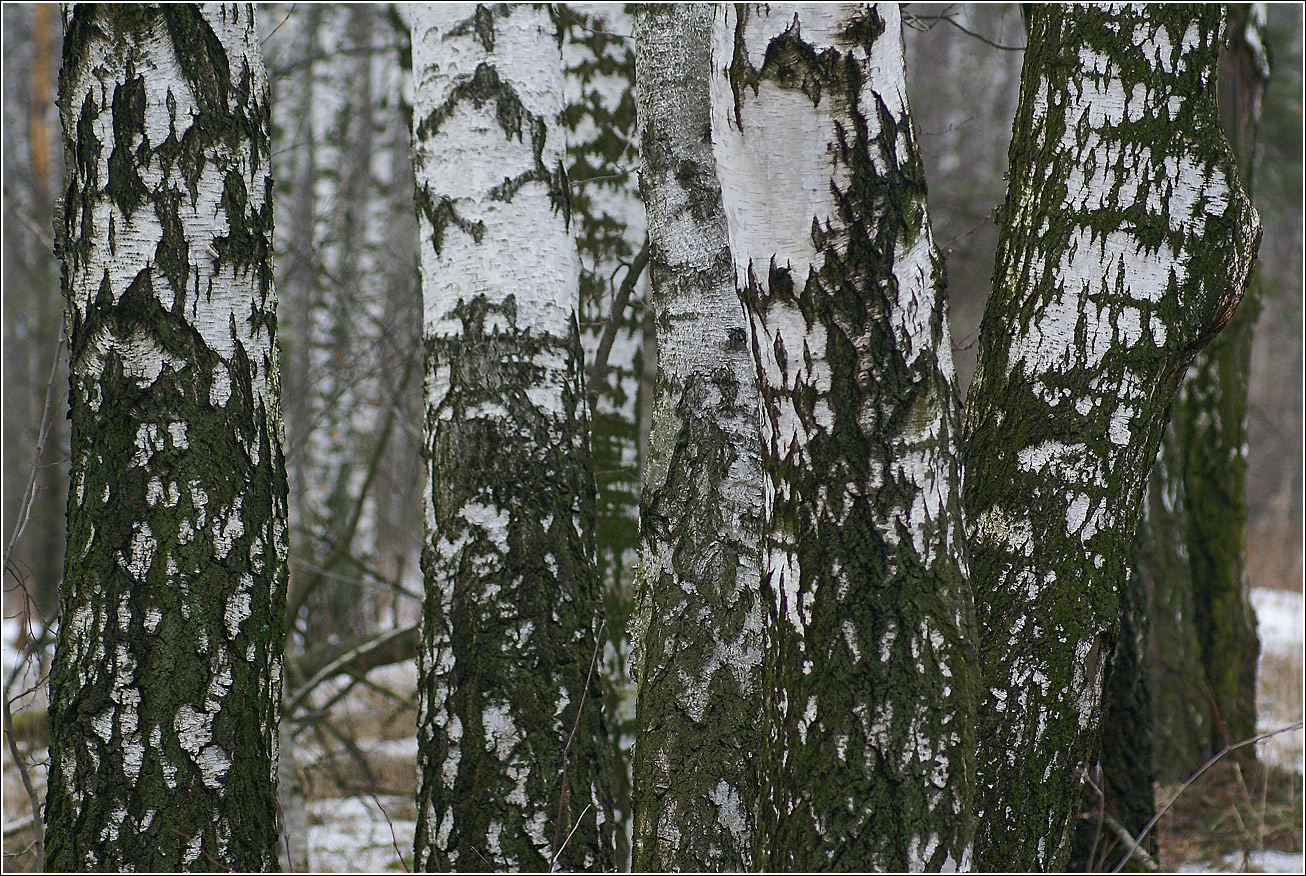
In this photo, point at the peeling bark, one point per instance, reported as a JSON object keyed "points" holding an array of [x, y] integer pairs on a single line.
{"points": [[699, 625], [867, 670], [512, 611], [1126, 247], [165, 692]]}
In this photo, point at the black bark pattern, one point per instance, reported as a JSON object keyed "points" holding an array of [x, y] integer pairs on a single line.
{"points": [[1126, 247], [533, 468], [868, 760], [514, 756], [165, 691], [699, 628]]}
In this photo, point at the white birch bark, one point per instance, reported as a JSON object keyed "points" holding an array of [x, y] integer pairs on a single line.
{"points": [[1127, 243], [699, 623], [867, 666], [165, 694], [512, 610]]}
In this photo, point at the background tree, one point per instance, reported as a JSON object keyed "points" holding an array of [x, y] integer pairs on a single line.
{"points": [[34, 316], [867, 669], [165, 691], [513, 751], [1211, 424], [608, 223], [1126, 245], [698, 631]]}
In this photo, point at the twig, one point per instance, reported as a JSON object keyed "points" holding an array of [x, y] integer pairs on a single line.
{"points": [[566, 749], [948, 18], [1099, 815], [47, 422], [279, 24], [600, 366], [583, 813], [482, 857], [1132, 846], [24, 514], [1197, 775], [18, 827], [337, 665], [37, 821], [394, 840]]}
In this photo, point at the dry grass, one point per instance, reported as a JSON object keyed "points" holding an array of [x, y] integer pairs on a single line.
{"points": [[1232, 809], [1274, 551]]}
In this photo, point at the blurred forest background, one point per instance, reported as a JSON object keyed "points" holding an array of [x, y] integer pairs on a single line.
{"points": [[350, 314]]}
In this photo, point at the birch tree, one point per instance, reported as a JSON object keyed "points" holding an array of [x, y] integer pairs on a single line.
{"points": [[867, 669], [1126, 245], [608, 222], [699, 621], [1211, 421], [165, 693], [512, 747]]}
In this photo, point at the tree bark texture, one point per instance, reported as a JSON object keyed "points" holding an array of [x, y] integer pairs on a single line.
{"points": [[867, 669], [1176, 677], [1120, 785], [513, 753], [165, 693], [1211, 419], [699, 624], [608, 222], [1126, 246]]}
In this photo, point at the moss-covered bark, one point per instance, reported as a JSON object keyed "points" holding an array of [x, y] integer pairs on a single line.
{"points": [[867, 761], [1211, 425], [513, 752], [165, 692], [1180, 695], [1118, 789], [700, 616], [1126, 246]]}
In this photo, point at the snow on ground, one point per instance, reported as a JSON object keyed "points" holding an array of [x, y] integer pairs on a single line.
{"points": [[1279, 615], [359, 834], [1256, 862]]}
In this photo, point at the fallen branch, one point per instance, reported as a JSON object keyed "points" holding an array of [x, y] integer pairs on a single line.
{"points": [[383, 650]]}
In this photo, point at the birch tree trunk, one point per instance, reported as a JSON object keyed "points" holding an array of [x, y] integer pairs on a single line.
{"points": [[608, 222], [513, 753], [1127, 244], [699, 623], [165, 693], [867, 689]]}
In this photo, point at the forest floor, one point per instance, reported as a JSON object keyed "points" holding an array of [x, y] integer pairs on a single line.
{"points": [[359, 774]]}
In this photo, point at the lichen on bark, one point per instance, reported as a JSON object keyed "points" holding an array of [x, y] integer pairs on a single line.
{"points": [[700, 617], [1126, 246], [867, 669], [513, 753], [165, 691]]}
